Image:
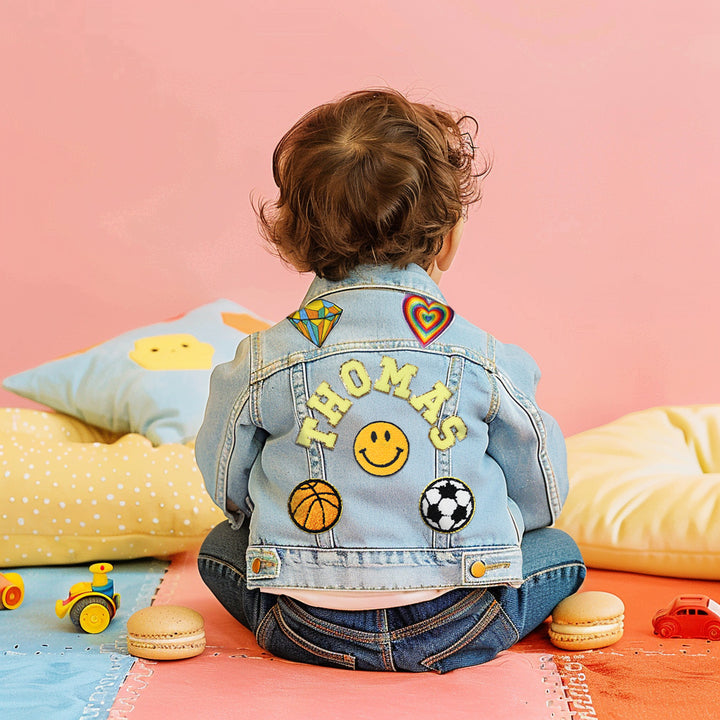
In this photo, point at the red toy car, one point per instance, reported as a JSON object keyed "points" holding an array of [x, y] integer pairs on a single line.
{"points": [[689, 616]]}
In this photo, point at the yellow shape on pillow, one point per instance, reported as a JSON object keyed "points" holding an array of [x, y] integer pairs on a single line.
{"points": [[74, 493], [172, 352], [645, 493]]}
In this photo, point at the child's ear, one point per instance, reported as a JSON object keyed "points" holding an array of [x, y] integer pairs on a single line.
{"points": [[451, 243]]}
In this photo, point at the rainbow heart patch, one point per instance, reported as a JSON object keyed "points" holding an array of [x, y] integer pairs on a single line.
{"points": [[426, 318]]}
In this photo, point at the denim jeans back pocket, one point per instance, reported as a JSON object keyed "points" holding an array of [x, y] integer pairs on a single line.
{"points": [[474, 638], [276, 635]]}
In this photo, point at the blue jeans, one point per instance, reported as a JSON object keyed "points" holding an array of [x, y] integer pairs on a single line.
{"points": [[460, 628]]}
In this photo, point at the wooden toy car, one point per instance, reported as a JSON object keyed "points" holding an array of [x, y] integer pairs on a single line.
{"points": [[91, 605], [689, 616], [12, 590]]}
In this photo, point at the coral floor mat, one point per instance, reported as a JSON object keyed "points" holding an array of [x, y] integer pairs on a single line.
{"points": [[641, 676], [49, 668], [235, 678], [661, 679]]}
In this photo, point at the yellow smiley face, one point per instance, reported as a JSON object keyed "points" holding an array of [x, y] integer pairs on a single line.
{"points": [[381, 448]]}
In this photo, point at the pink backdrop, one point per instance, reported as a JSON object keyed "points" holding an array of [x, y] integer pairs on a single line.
{"points": [[133, 133]]}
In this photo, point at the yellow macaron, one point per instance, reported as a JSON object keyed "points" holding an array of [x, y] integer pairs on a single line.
{"points": [[165, 632], [587, 620]]}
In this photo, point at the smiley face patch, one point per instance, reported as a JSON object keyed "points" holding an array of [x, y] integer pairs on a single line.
{"points": [[381, 448], [426, 318]]}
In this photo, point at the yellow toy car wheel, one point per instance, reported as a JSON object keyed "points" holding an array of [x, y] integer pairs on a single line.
{"points": [[92, 614]]}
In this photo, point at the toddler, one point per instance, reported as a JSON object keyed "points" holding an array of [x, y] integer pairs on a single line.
{"points": [[387, 476]]}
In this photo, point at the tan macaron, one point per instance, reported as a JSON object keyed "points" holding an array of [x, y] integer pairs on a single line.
{"points": [[165, 632], [587, 620]]}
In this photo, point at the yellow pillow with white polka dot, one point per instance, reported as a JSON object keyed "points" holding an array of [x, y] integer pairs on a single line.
{"points": [[74, 493]]}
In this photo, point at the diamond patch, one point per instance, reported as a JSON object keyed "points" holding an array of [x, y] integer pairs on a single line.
{"points": [[316, 320]]}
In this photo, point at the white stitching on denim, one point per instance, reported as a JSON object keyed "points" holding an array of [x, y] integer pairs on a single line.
{"points": [[436, 620], [210, 558], [221, 478], [511, 623], [368, 346], [327, 627], [256, 361], [528, 407], [261, 631], [386, 648], [488, 616], [552, 569], [343, 659]]}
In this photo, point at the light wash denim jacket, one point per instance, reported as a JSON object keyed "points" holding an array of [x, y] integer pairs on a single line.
{"points": [[376, 440]]}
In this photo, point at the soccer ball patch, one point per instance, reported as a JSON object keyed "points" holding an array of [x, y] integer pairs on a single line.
{"points": [[447, 505]]}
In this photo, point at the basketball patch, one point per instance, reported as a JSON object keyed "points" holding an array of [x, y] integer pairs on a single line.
{"points": [[315, 506], [447, 505], [426, 318]]}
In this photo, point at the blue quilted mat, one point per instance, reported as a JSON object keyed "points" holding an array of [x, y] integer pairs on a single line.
{"points": [[51, 669]]}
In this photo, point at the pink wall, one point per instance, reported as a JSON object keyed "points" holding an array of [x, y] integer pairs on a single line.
{"points": [[133, 132]]}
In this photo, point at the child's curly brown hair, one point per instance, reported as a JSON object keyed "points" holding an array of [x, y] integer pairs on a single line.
{"points": [[370, 179]]}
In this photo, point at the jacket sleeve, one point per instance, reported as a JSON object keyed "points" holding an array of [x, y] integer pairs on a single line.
{"points": [[228, 442], [526, 442]]}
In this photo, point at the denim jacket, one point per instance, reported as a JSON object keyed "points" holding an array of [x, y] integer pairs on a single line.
{"points": [[375, 440]]}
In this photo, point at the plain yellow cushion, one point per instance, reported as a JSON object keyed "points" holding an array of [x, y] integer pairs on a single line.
{"points": [[71, 492], [645, 493]]}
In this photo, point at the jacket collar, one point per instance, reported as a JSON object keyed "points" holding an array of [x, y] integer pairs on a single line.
{"points": [[410, 279]]}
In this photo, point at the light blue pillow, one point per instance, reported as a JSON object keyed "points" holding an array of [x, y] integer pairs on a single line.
{"points": [[153, 380]]}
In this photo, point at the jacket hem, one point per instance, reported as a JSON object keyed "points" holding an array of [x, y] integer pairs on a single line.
{"points": [[382, 569]]}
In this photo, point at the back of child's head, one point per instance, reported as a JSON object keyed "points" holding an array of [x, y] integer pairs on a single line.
{"points": [[370, 179]]}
